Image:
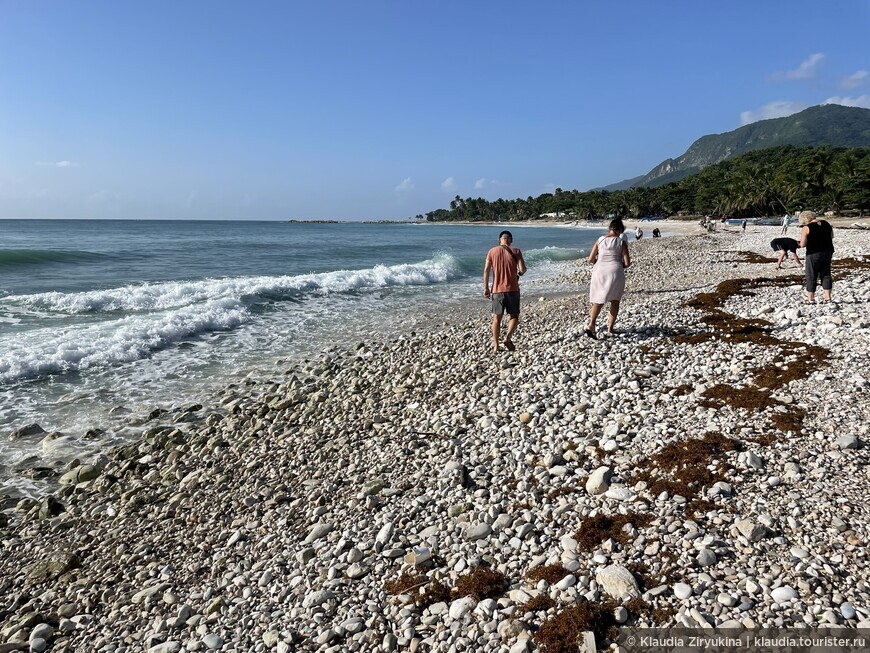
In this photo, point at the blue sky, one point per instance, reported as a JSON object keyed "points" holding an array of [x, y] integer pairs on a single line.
{"points": [[383, 110]]}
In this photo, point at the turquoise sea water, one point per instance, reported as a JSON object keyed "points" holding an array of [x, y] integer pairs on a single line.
{"points": [[103, 320]]}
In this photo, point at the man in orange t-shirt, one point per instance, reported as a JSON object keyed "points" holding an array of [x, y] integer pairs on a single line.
{"points": [[507, 266]]}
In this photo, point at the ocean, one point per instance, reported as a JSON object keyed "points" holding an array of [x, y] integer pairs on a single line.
{"points": [[104, 321]]}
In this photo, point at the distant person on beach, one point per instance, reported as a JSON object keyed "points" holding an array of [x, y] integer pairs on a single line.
{"points": [[657, 233], [507, 265], [743, 225], [818, 237], [785, 246], [785, 220], [638, 233], [609, 257]]}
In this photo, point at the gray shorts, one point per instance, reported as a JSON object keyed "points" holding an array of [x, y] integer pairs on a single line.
{"points": [[506, 302]]}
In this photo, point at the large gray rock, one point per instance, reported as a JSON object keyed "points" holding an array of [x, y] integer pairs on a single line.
{"points": [[81, 474], [27, 431], [617, 581], [599, 481], [478, 532], [57, 565], [317, 598], [318, 531], [750, 530]]}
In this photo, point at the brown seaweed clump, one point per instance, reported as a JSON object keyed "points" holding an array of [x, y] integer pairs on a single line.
{"points": [[409, 580], [540, 603], [794, 360], [550, 573], [412, 582], [595, 530], [437, 592], [564, 632], [481, 583], [681, 467]]}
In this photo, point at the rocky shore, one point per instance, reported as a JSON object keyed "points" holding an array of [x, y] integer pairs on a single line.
{"points": [[708, 466]]}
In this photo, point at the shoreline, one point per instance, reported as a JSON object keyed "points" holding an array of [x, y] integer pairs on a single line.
{"points": [[303, 500]]}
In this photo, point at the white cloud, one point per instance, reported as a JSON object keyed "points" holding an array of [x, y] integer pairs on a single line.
{"points": [[862, 101], [807, 69], [779, 109], [449, 184], [856, 80], [405, 186], [58, 164], [483, 182]]}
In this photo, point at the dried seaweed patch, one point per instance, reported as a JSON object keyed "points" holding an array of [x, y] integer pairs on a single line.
{"points": [[595, 530], [564, 632]]}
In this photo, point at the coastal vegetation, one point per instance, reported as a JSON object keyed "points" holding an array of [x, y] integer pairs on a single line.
{"points": [[763, 182]]}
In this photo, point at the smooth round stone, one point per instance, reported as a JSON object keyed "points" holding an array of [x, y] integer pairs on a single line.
{"points": [[706, 558], [38, 645], [621, 615], [798, 552], [726, 599], [568, 581], [783, 594], [773, 481], [847, 611], [212, 642], [682, 590]]}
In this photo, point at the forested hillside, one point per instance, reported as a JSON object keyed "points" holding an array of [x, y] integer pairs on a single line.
{"points": [[763, 182]]}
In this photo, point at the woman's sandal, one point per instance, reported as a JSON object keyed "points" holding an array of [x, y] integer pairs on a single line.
{"points": [[809, 301]]}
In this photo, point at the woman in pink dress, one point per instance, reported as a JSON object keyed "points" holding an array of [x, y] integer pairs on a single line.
{"points": [[610, 257]]}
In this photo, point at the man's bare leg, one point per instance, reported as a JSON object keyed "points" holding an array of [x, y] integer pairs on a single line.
{"points": [[496, 328], [512, 326], [797, 260], [779, 260]]}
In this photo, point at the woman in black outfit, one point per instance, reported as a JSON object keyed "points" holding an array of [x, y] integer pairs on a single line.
{"points": [[818, 237]]}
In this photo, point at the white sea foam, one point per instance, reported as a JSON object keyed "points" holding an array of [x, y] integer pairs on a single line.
{"points": [[52, 350], [173, 294]]}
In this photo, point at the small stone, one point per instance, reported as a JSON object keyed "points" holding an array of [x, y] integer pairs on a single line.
{"points": [[726, 599], [705, 558], [461, 607], [212, 642], [599, 481], [846, 442], [847, 611], [318, 531], [784, 594], [750, 530], [682, 590], [317, 598], [478, 532]]}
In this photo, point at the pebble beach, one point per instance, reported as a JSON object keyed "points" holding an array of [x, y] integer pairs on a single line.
{"points": [[706, 467]]}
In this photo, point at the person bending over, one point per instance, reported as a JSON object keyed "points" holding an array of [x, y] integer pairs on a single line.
{"points": [[785, 246], [507, 265]]}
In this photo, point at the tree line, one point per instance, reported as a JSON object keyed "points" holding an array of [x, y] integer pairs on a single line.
{"points": [[765, 182]]}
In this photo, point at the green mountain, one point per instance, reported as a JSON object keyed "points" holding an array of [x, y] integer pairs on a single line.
{"points": [[828, 124]]}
